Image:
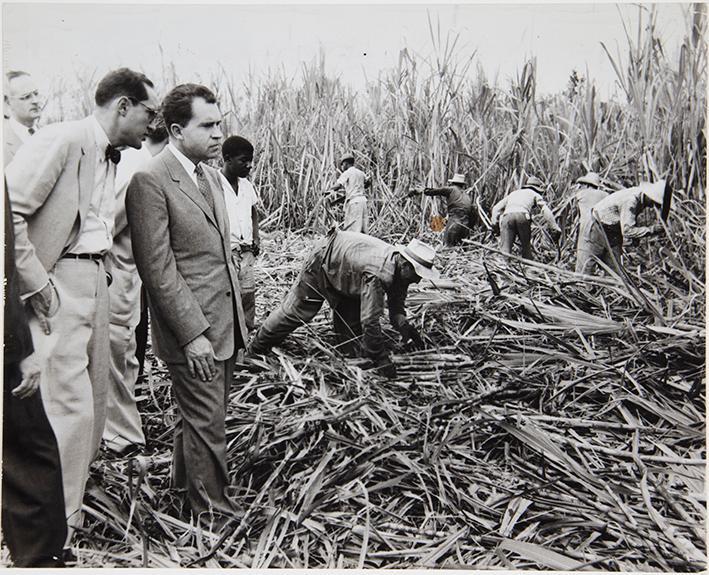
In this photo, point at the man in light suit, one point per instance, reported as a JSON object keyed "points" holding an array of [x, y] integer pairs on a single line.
{"points": [[180, 233], [123, 433], [23, 108], [61, 187]]}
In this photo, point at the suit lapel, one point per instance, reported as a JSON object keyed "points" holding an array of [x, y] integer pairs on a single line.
{"points": [[87, 169], [186, 185]]}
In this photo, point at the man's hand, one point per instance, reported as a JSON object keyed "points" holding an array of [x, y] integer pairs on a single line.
{"points": [[657, 228], [410, 335], [200, 358], [31, 373], [495, 229], [44, 306]]}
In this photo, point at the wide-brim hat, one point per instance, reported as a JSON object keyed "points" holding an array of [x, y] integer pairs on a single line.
{"points": [[421, 256], [457, 179], [535, 184], [660, 193], [591, 178], [347, 158]]}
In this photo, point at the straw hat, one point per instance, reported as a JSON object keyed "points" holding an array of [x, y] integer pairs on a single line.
{"points": [[346, 158], [420, 255], [654, 191], [457, 179], [591, 178], [535, 184]]}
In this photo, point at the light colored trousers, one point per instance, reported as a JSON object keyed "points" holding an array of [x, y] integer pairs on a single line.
{"points": [[244, 262], [592, 246], [356, 216], [74, 380], [123, 424]]}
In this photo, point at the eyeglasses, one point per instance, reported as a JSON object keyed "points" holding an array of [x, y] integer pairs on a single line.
{"points": [[152, 114]]}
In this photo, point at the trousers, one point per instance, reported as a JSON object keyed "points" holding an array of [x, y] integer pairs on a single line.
{"points": [[456, 230], [33, 515], [516, 225], [75, 374], [123, 424], [245, 261], [592, 246], [199, 454], [356, 216]]}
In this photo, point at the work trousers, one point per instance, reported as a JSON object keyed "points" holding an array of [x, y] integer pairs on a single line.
{"points": [[456, 230], [516, 225], [75, 376], [123, 424], [593, 242], [244, 261], [199, 453], [33, 514], [356, 216]]}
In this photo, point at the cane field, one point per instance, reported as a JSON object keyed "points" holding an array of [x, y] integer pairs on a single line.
{"points": [[552, 422]]}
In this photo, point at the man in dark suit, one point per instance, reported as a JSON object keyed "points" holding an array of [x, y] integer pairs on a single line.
{"points": [[180, 233], [23, 107], [61, 187], [33, 520]]}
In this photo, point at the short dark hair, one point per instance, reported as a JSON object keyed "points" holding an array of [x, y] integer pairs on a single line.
{"points": [[236, 146], [177, 105], [122, 82], [158, 132], [12, 74]]}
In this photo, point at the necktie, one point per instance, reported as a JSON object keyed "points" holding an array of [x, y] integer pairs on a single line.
{"points": [[113, 154], [203, 186]]}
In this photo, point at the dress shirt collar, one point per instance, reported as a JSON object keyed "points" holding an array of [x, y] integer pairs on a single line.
{"points": [[187, 164], [101, 139], [23, 132]]}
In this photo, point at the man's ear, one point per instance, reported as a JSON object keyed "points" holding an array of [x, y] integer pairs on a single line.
{"points": [[123, 104], [175, 130]]}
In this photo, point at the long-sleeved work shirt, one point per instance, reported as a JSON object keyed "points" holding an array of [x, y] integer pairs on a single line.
{"points": [[364, 267], [458, 201], [622, 208], [523, 201]]}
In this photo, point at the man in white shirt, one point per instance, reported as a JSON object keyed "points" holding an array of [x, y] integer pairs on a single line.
{"points": [[61, 187], [123, 433], [513, 216], [353, 181], [23, 107], [241, 200]]}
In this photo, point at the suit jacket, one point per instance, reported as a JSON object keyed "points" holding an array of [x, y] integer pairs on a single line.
{"points": [[17, 337], [50, 181], [181, 248], [11, 142]]}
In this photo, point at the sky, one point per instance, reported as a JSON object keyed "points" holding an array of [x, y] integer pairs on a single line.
{"points": [[358, 40]]}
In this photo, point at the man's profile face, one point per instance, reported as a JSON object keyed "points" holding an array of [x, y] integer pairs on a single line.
{"points": [[202, 136], [23, 100], [139, 117], [240, 165]]}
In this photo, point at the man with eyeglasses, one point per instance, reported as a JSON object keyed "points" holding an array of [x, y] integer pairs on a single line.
{"points": [[23, 108], [61, 185]]}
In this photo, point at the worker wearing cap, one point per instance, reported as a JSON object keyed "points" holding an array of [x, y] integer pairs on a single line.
{"points": [[353, 272], [615, 220], [588, 194], [459, 206], [512, 216], [353, 181]]}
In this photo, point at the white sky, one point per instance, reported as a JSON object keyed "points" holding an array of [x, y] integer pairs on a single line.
{"points": [[358, 40]]}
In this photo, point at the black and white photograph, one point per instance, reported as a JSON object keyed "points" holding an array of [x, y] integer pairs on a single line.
{"points": [[405, 285]]}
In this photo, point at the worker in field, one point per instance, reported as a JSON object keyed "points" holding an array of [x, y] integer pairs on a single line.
{"points": [[462, 214], [241, 205], [353, 272], [588, 194], [353, 182], [512, 217], [615, 221]]}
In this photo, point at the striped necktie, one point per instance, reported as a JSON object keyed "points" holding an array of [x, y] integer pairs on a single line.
{"points": [[203, 186]]}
